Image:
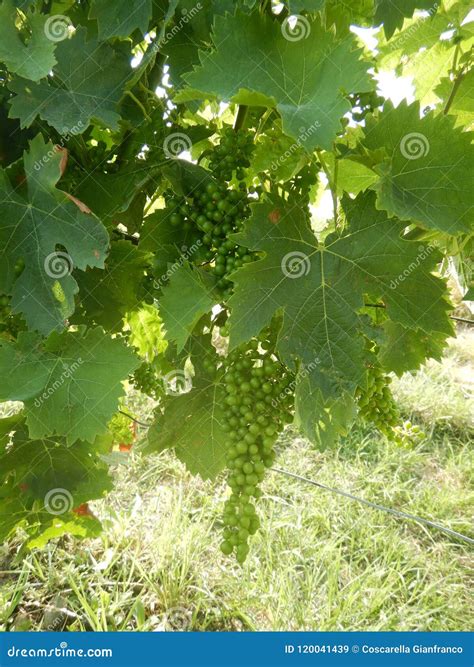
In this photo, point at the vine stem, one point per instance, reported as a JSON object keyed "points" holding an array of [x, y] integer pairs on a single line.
{"points": [[241, 116], [457, 82], [139, 104]]}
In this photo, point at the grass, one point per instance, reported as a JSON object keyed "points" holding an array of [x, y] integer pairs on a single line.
{"points": [[320, 562]]}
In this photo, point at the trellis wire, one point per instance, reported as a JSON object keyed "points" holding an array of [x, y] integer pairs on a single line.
{"points": [[368, 503]]}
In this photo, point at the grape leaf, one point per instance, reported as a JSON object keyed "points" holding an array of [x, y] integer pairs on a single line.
{"points": [[112, 197], [427, 172], [406, 349], [32, 60], [306, 79], [346, 14], [92, 77], [352, 176], [392, 13], [190, 32], [80, 374], [420, 33], [188, 296], [44, 480], [33, 224], [107, 295], [319, 288], [192, 424], [322, 420], [117, 18], [298, 6], [146, 331], [278, 154]]}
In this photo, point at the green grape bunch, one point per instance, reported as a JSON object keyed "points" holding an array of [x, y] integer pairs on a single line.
{"points": [[214, 211], [147, 381], [253, 379], [375, 401]]}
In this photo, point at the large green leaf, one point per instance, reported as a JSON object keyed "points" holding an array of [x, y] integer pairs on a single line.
{"points": [[407, 349], [392, 13], [320, 288], [107, 295], [194, 425], [186, 298], [32, 60], [75, 384], [34, 222], [44, 480], [257, 62], [297, 6], [428, 168], [119, 18], [92, 78]]}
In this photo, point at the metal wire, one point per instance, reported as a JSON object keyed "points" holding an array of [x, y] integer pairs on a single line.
{"points": [[345, 494], [389, 510], [137, 421]]}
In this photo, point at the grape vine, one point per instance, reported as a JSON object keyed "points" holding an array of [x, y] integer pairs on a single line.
{"points": [[210, 230]]}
